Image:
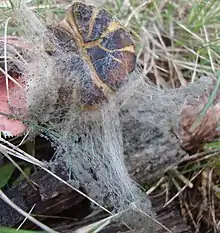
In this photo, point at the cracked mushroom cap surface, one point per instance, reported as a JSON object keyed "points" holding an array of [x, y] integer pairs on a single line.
{"points": [[103, 44]]}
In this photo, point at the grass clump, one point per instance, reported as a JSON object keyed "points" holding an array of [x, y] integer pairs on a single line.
{"points": [[178, 41]]}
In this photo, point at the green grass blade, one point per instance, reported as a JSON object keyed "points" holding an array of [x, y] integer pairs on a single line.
{"points": [[5, 174]]}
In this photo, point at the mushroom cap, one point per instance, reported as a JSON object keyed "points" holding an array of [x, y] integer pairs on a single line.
{"points": [[109, 46], [103, 44]]}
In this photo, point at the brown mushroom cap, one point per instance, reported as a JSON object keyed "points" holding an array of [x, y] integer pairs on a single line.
{"points": [[108, 45], [103, 44]]}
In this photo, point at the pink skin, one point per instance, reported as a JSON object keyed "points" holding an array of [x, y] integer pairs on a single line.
{"points": [[16, 100], [14, 127]]}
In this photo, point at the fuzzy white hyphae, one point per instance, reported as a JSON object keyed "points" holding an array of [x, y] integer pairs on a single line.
{"points": [[89, 142]]}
